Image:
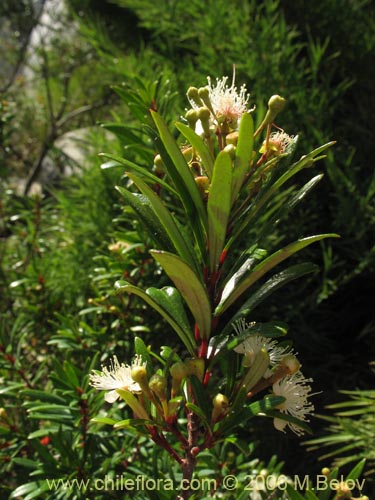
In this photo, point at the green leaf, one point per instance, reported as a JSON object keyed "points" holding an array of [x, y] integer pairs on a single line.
{"points": [[272, 188], [236, 287], [190, 287], [104, 420], [142, 351], [244, 153], [218, 206], [270, 286], [198, 411], [185, 251], [170, 299], [293, 494], [185, 335], [132, 422], [201, 398], [142, 207], [117, 161], [289, 419], [199, 146], [356, 471], [183, 180], [309, 495]]}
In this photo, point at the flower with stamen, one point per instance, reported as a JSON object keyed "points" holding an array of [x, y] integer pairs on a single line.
{"points": [[227, 104], [252, 345], [296, 391], [278, 143], [117, 376]]}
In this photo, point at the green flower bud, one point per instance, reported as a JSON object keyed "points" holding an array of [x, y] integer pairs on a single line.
{"points": [[158, 385], [220, 405], [178, 371], [343, 491], [192, 94], [139, 374], [275, 105], [204, 94], [192, 117], [159, 166], [231, 149], [291, 363], [203, 184], [232, 138], [204, 116], [195, 367]]}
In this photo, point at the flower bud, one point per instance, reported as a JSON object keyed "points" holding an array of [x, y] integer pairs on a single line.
{"points": [[139, 374], [231, 150], [204, 116], [291, 363], [204, 94], [276, 104], [326, 471], [232, 138], [192, 94], [203, 185], [195, 367], [178, 372], [220, 405], [158, 385], [191, 117], [159, 166], [343, 491]]}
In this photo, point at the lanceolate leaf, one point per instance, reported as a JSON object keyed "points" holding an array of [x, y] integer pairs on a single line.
{"points": [[240, 416], [182, 176], [117, 161], [190, 287], [166, 219], [266, 194], [244, 152], [234, 288], [198, 144], [142, 207], [171, 315], [218, 206], [170, 299], [277, 281]]}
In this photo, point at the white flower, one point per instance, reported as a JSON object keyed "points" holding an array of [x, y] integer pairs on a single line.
{"points": [[117, 376], [295, 389], [278, 143], [228, 103], [252, 345]]}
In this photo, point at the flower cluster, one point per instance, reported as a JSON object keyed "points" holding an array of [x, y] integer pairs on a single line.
{"points": [[282, 372]]}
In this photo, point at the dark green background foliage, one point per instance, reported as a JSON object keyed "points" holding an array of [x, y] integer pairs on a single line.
{"points": [[62, 252]]}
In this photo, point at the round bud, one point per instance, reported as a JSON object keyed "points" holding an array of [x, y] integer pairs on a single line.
{"points": [[158, 385]]}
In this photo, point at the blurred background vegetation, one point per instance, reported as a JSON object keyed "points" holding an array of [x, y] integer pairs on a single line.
{"points": [[65, 236]]}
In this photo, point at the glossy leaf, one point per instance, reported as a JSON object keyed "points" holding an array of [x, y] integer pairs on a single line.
{"points": [[269, 190], [244, 153], [142, 207], [170, 315], [166, 219], [270, 286], [182, 171], [198, 144], [117, 161], [293, 494], [170, 299], [235, 287], [190, 287], [218, 206]]}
